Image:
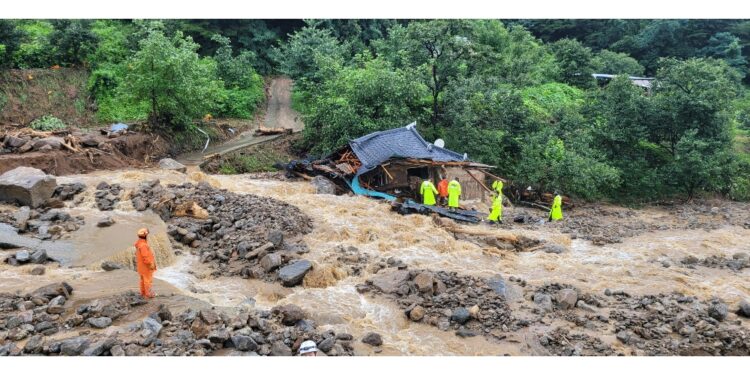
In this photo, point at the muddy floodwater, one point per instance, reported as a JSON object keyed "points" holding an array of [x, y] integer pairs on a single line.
{"points": [[648, 263]]}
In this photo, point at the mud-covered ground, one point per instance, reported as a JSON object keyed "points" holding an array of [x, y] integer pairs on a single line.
{"points": [[253, 266]]}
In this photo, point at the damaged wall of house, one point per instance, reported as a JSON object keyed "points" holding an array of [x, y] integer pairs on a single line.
{"points": [[403, 179]]}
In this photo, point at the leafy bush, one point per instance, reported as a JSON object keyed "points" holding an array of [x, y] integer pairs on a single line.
{"points": [[740, 188], [47, 123], [241, 103], [117, 108]]}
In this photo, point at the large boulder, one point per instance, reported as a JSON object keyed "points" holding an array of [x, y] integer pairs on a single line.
{"points": [[244, 343], [26, 186], [53, 290], [372, 339], [100, 322], [497, 283], [14, 142], [54, 143], [566, 298], [39, 256], [323, 185], [293, 274], [270, 262], [171, 164], [744, 309], [74, 346], [424, 282], [461, 315], [290, 314], [718, 311], [389, 282]]}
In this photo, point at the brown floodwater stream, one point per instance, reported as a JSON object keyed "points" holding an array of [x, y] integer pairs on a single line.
{"points": [[635, 265]]}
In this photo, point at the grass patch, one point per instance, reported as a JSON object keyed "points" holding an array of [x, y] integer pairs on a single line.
{"points": [[259, 162]]}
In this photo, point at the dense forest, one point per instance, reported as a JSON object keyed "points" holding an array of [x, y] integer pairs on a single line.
{"points": [[516, 94]]}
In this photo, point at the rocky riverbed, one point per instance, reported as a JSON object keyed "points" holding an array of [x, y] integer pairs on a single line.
{"points": [[253, 266]]}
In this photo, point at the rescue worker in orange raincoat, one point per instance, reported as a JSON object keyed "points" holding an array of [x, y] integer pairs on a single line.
{"points": [[442, 188], [145, 262]]}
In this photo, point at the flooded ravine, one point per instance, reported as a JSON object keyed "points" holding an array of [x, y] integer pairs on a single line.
{"points": [[637, 265]]}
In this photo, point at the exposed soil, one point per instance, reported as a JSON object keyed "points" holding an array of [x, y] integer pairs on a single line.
{"points": [[125, 151]]}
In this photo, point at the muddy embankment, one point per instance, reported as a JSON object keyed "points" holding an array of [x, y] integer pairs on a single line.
{"points": [[668, 281]]}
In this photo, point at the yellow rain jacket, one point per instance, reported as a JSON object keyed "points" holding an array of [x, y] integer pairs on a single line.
{"points": [[498, 187], [497, 208], [555, 213], [428, 191], [454, 192]]}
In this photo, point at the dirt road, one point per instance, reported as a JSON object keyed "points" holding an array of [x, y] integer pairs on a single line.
{"points": [[279, 114]]}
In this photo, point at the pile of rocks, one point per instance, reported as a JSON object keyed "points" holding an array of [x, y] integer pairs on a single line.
{"points": [[738, 262], [562, 342], [66, 192], [35, 314], [278, 332], [107, 196], [45, 224], [557, 297], [25, 143], [472, 306], [674, 324], [25, 256], [235, 234], [350, 258]]}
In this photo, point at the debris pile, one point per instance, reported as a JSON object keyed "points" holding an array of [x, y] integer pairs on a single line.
{"points": [[43, 223], [107, 196], [674, 324], [245, 235], [41, 317], [738, 262], [471, 306]]}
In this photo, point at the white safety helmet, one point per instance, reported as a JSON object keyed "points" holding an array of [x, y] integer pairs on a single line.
{"points": [[308, 347]]}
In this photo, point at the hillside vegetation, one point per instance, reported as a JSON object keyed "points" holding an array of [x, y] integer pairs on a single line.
{"points": [[518, 94]]}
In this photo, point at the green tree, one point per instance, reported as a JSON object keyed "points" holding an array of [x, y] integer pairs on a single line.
{"points": [[244, 87], [609, 62], [514, 55], [168, 74], [361, 99], [10, 40], [438, 50], [561, 158], [35, 50], [576, 63], [693, 94], [727, 47], [310, 56], [72, 41], [487, 119], [701, 165], [621, 115]]}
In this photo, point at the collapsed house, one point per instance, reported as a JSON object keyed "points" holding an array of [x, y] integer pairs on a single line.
{"points": [[392, 164]]}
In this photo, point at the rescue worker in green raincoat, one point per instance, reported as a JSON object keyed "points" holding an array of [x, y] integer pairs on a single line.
{"points": [[496, 215], [454, 193], [555, 213], [428, 191]]}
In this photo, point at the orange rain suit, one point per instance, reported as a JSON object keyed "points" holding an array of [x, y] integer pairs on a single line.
{"points": [[146, 265]]}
